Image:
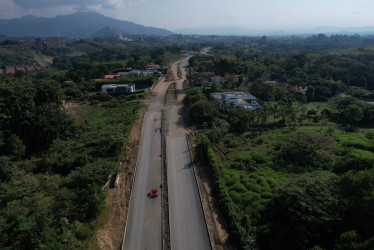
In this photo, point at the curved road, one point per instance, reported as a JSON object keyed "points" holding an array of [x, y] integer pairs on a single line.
{"points": [[144, 223]]}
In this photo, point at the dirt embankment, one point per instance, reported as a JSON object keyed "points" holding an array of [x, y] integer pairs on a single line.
{"points": [[118, 198], [217, 226], [110, 236]]}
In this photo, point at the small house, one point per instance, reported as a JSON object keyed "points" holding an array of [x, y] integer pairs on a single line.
{"points": [[238, 99], [30, 69], [118, 88], [10, 70], [130, 73], [20, 68], [153, 66], [109, 77], [215, 79]]}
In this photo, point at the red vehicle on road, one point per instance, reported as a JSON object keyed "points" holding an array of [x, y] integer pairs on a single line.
{"points": [[153, 193]]}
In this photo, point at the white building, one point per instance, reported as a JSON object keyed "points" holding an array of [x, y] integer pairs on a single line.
{"points": [[238, 99], [147, 72], [130, 73], [118, 88], [137, 73]]}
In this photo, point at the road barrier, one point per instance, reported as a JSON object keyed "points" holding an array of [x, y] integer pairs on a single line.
{"points": [[165, 230], [189, 145]]}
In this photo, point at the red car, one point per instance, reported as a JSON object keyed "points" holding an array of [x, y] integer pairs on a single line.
{"points": [[153, 193]]}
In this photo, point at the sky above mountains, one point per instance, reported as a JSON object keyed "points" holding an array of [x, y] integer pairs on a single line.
{"points": [[177, 14]]}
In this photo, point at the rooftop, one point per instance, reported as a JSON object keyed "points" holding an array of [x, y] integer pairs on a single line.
{"points": [[111, 76], [117, 85], [232, 95]]}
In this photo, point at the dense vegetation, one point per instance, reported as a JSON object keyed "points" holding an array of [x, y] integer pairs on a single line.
{"points": [[56, 157], [297, 173], [114, 54], [52, 169], [15, 53]]}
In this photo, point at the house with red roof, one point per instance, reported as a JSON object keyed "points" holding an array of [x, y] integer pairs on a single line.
{"points": [[38, 67], [152, 66], [20, 68], [30, 69], [109, 77], [10, 70]]}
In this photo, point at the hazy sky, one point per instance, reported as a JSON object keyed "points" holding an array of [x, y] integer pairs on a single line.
{"points": [[175, 14]]}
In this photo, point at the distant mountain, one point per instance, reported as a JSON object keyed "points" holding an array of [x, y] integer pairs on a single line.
{"points": [[222, 31], [78, 25], [231, 31], [2, 37], [343, 30], [237, 31]]}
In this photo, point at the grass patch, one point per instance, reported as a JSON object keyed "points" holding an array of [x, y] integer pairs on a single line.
{"points": [[355, 140], [12, 55], [170, 58], [362, 154]]}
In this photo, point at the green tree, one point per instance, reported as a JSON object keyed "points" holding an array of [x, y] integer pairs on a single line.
{"points": [[241, 119], [303, 213], [15, 147], [352, 114], [203, 111]]}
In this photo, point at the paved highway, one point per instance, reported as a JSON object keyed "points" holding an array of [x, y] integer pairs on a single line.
{"points": [[144, 223], [39, 60], [187, 224]]}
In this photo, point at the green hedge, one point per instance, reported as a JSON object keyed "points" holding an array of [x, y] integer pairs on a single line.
{"points": [[237, 232]]}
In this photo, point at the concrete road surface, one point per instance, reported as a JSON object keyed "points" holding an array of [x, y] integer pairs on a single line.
{"points": [[39, 60], [187, 225], [144, 224]]}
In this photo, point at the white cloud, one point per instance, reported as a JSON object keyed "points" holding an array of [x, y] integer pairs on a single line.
{"points": [[7, 8], [40, 4]]}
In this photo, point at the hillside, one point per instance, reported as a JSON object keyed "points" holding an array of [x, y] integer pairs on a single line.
{"points": [[110, 32], [78, 25]]}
